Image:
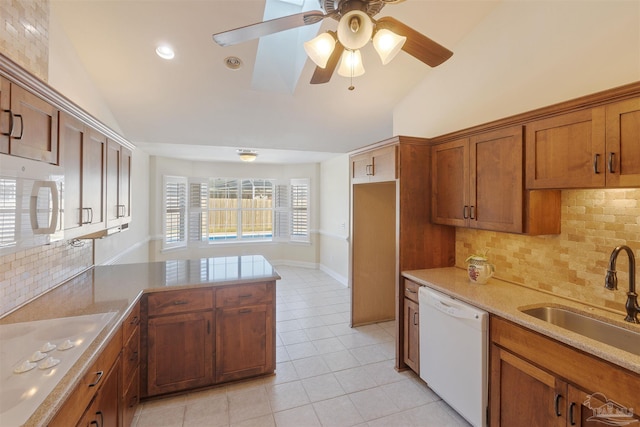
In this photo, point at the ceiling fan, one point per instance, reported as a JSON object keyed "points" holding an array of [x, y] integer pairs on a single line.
{"points": [[356, 27]]}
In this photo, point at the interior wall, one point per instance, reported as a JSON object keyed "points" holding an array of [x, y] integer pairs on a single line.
{"points": [[527, 55], [300, 254], [334, 218]]}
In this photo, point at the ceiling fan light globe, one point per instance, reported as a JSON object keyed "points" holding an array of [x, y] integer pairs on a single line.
{"points": [[354, 35], [351, 64], [320, 48], [387, 44]]}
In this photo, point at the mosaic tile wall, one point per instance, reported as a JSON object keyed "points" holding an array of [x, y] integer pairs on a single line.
{"points": [[572, 264], [28, 273], [24, 34]]}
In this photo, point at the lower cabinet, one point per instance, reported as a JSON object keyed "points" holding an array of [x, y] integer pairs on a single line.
{"points": [[104, 410], [537, 381], [411, 319], [204, 336]]}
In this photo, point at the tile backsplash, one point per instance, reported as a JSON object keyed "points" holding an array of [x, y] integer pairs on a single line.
{"points": [[24, 34], [572, 264], [28, 273]]}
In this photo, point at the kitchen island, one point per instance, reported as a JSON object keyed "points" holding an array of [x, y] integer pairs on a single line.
{"points": [[118, 290]]}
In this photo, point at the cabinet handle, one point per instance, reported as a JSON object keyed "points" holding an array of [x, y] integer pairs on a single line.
{"points": [[245, 296], [595, 164], [134, 321], [472, 211], [21, 127], [465, 213], [245, 311], [208, 327], [410, 291], [94, 423], [89, 216], [572, 419], [134, 356], [10, 123], [133, 401], [99, 413], [557, 405], [99, 375], [181, 302], [415, 322], [611, 158]]}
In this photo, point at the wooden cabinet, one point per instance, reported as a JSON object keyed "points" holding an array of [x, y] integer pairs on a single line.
{"points": [[593, 148], [411, 320], [5, 114], [478, 182], [97, 391], [118, 184], [83, 152], [623, 144], [130, 395], [377, 165], [245, 333], [104, 409], [180, 340], [29, 124], [537, 381]]}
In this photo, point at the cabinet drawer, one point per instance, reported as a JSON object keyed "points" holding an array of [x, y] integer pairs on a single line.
{"points": [[172, 302], [131, 323], [131, 354], [243, 295], [411, 290], [92, 380], [130, 399]]}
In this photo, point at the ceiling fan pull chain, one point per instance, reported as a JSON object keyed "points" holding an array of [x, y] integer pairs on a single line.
{"points": [[352, 87]]}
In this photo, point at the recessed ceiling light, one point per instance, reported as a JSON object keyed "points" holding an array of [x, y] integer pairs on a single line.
{"points": [[165, 52], [233, 62]]}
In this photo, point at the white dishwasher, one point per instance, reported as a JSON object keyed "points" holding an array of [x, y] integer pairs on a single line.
{"points": [[453, 353]]}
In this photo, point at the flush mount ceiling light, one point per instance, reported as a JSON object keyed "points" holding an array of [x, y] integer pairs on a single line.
{"points": [[233, 62], [356, 27], [165, 52], [247, 155]]}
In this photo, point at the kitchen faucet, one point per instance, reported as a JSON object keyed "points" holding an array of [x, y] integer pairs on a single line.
{"points": [[611, 282]]}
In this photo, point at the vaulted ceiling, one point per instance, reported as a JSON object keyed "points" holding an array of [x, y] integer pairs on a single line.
{"points": [[195, 107]]}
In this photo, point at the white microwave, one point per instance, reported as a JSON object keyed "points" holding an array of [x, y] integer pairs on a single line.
{"points": [[31, 203]]}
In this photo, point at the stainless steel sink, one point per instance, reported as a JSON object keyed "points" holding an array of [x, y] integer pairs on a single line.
{"points": [[607, 333]]}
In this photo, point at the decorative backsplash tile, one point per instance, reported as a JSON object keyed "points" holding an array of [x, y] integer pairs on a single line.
{"points": [[28, 273], [24, 34], [572, 264]]}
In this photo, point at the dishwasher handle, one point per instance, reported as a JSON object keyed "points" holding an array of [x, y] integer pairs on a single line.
{"points": [[451, 308]]}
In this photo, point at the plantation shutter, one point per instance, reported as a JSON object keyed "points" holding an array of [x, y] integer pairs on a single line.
{"points": [[281, 213], [175, 212], [8, 209], [198, 210], [300, 210]]}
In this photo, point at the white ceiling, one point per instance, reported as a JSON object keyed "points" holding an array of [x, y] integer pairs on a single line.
{"points": [[194, 107]]}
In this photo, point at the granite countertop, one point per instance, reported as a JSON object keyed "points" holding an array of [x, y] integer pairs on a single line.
{"points": [[506, 300], [115, 289]]}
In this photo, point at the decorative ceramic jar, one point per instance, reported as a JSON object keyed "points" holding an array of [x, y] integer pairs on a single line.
{"points": [[479, 269]]}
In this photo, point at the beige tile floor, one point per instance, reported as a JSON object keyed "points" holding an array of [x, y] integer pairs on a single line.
{"points": [[327, 374]]}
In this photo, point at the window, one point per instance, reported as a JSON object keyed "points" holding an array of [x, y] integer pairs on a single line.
{"points": [[175, 209], [231, 209]]}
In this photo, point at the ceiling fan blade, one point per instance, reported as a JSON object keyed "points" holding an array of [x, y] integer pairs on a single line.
{"points": [[323, 75], [254, 31], [417, 45]]}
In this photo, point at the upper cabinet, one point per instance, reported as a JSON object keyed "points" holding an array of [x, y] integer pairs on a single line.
{"points": [[478, 182], [594, 148], [377, 165], [83, 155], [118, 184], [29, 124]]}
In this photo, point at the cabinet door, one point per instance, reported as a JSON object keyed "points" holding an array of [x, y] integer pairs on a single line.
{"points": [[523, 394], [361, 168], [124, 197], [450, 183], [180, 352], [623, 144], [35, 133], [72, 133], [595, 409], [567, 151], [244, 342], [94, 177], [5, 114], [113, 183], [496, 181], [411, 335], [383, 162]]}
